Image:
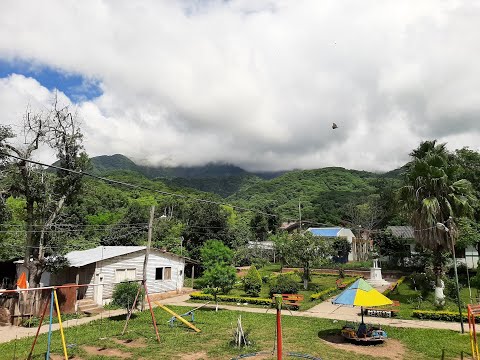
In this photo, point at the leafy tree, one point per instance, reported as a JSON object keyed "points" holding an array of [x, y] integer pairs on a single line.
{"points": [[284, 284], [219, 275], [305, 249], [281, 244], [219, 279], [215, 252], [341, 248], [204, 221], [397, 249], [433, 194], [252, 282], [168, 235], [135, 233], [259, 225]]}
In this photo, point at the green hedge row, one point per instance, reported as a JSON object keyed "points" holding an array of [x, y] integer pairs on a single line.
{"points": [[442, 315], [397, 284], [325, 294], [230, 298]]}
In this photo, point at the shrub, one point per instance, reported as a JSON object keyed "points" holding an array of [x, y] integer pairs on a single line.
{"points": [[451, 288], [425, 282], [442, 315], [284, 284], [124, 294], [230, 298], [252, 282]]}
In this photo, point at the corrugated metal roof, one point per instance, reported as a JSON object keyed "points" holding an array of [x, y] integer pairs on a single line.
{"points": [[85, 257], [404, 232], [326, 232], [90, 256]]}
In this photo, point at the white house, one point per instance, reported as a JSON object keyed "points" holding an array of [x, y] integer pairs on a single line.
{"points": [[105, 266], [339, 232]]}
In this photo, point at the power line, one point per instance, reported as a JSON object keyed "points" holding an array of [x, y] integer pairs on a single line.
{"points": [[117, 182]]}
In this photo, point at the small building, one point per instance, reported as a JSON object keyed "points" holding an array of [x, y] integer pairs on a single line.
{"points": [[341, 232], [106, 266]]}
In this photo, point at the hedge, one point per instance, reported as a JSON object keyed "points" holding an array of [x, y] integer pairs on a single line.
{"points": [[442, 315], [198, 295], [325, 294], [397, 284]]}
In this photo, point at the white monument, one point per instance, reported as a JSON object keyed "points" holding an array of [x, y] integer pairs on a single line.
{"points": [[376, 275]]}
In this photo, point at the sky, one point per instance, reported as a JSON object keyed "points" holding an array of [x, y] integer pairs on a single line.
{"points": [[254, 83]]}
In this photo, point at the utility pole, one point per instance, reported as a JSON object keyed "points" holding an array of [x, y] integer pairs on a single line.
{"points": [[450, 235], [147, 251], [300, 214]]}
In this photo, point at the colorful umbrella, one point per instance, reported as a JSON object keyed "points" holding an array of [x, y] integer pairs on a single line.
{"points": [[360, 293]]}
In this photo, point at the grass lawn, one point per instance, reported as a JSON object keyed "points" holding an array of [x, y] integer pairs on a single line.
{"points": [[301, 335], [410, 300]]}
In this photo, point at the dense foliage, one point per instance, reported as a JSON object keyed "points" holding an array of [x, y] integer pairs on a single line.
{"points": [[252, 282]]}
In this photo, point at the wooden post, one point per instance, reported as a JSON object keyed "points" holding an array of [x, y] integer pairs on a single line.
{"points": [[278, 304], [147, 250], [193, 274]]}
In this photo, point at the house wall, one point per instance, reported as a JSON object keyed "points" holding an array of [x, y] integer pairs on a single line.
{"points": [[106, 270], [471, 257]]}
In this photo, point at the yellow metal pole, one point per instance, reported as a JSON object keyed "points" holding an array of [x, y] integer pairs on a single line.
{"points": [[189, 324], [60, 323]]}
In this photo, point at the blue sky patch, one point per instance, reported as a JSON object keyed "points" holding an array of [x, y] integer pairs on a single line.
{"points": [[77, 87]]}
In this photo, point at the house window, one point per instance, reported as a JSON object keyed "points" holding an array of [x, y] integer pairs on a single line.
{"points": [[125, 274], [163, 273]]}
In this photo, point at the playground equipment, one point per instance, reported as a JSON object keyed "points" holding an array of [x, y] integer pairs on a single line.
{"points": [[364, 335], [473, 310], [179, 317], [144, 285], [53, 299], [362, 294], [190, 313], [279, 300]]}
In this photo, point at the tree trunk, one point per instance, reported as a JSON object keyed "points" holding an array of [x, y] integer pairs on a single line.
{"points": [[306, 276]]}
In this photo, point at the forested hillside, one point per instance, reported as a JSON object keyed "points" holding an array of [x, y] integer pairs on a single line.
{"points": [[218, 178], [323, 194]]}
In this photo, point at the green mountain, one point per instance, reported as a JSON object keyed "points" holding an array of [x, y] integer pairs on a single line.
{"points": [[325, 195], [106, 163], [219, 178]]}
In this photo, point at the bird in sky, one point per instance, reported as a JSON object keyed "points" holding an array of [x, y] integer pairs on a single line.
{"points": [[334, 126]]}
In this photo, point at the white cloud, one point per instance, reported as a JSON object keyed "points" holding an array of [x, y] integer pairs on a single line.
{"points": [[257, 83]]}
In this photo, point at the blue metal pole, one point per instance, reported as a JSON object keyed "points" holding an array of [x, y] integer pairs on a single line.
{"points": [[47, 356]]}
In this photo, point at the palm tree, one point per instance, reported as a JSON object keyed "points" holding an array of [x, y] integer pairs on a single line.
{"points": [[434, 194]]}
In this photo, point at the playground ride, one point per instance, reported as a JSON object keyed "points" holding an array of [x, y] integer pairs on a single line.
{"points": [[179, 317], [362, 294], [364, 335], [473, 311]]}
